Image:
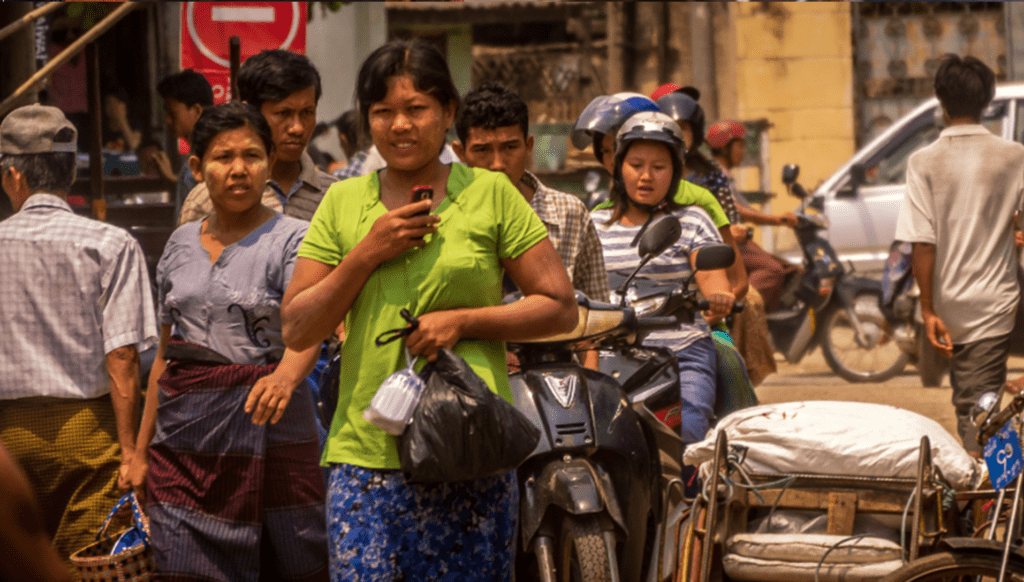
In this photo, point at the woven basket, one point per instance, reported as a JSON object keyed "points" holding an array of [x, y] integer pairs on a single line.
{"points": [[95, 563]]}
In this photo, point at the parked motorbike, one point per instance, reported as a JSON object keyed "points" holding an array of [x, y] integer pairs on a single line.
{"points": [[595, 501], [827, 305]]}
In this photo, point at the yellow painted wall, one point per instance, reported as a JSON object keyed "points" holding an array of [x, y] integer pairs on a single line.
{"points": [[793, 64]]}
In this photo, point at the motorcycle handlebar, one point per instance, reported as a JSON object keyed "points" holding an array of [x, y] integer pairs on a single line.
{"points": [[656, 322], [703, 305]]}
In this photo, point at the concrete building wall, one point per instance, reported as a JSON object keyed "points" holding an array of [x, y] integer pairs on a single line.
{"points": [[337, 43], [793, 67]]}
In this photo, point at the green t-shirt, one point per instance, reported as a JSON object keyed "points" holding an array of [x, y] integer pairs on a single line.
{"points": [[689, 194], [484, 219]]}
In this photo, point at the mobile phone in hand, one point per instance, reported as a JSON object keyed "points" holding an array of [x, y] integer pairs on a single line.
{"points": [[422, 193]]}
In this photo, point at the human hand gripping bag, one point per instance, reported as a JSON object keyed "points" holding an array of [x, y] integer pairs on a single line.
{"points": [[460, 430]]}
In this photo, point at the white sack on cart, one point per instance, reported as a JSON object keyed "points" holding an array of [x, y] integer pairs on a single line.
{"points": [[838, 438]]}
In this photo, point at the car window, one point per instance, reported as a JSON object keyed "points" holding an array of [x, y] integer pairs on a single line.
{"points": [[889, 164]]}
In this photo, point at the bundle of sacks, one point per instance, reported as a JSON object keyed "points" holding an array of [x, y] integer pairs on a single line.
{"points": [[832, 438], [839, 438]]}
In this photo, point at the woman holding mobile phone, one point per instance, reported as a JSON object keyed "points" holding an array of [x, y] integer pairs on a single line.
{"points": [[370, 253]]}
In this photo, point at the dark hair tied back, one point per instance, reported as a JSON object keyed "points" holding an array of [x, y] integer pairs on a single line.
{"points": [[218, 119], [419, 61]]}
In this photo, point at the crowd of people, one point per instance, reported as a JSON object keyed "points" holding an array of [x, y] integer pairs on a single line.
{"points": [[275, 259]]}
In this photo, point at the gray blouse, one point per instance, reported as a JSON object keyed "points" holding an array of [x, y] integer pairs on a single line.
{"points": [[232, 306]]}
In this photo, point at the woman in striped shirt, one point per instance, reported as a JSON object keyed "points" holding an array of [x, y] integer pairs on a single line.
{"points": [[648, 166]]}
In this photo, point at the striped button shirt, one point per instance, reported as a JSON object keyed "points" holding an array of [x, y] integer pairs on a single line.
{"points": [[72, 289], [672, 265], [306, 194]]}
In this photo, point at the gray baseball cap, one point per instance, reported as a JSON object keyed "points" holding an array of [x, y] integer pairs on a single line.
{"points": [[32, 129]]}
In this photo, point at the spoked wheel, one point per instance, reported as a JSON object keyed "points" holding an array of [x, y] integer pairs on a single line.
{"points": [[874, 357], [958, 567], [584, 553]]}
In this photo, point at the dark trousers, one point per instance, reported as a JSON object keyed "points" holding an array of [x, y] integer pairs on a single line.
{"points": [[976, 368]]}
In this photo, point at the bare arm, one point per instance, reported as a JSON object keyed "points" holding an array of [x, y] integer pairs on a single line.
{"points": [[271, 394], [716, 288], [924, 273], [548, 307], [28, 554], [757, 217], [320, 295], [123, 367], [736, 272], [139, 467]]}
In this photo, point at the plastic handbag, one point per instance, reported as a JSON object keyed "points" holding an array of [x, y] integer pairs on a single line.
{"points": [[125, 556], [460, 430], [392, 406]]}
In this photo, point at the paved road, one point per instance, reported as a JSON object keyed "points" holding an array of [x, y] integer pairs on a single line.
{"points": [[812, 379]]}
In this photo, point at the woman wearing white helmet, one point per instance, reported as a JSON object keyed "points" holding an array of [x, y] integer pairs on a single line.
{"points": [[648, 166]]}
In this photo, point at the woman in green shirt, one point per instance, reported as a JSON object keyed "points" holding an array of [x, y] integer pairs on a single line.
{"points": [[368, 254]]}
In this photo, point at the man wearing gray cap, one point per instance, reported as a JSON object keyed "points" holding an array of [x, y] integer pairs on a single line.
{"points": [[75, 308]]}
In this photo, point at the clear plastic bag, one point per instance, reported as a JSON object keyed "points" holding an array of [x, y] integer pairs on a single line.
{"points": [[393, 404]]}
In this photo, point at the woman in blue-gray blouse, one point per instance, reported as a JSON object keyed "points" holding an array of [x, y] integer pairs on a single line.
{"points": [[217, 480]]}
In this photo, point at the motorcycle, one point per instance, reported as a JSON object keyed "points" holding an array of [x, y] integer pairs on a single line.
{"points": [[596, 496], [827, 305]]}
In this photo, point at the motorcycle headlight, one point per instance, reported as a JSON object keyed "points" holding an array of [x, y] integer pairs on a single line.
{"points": [[648, 305]]}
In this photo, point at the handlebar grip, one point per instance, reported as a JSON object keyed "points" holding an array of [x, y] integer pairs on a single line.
{"points": [[656, 322], [703, 305]]}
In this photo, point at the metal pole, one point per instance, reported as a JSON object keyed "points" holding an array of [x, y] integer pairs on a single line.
{"points": [[616, 79], [235, 48], [30, 17], [92, 34], [1010, 526], [92, 80]]}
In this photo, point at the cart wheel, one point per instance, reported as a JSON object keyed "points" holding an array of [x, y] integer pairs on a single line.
{"points": [[958, 566]]}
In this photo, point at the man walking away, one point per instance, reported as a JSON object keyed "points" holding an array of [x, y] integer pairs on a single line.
{"points": [[185, 95], [962, 193], [75, 309]]}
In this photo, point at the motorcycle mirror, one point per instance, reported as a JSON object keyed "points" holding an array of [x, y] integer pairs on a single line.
{"points": [[790, 172], [715, 257], [591, 182], [659, 237], [987, 404]]}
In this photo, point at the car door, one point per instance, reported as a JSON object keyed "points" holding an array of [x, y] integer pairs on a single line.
{"points": [[863, 220]]}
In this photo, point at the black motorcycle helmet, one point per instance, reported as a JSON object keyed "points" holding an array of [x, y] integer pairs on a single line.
{"points": [[683, 107]]}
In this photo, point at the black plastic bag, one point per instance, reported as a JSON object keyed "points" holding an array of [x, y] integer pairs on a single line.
{"points": [[460, 430]]}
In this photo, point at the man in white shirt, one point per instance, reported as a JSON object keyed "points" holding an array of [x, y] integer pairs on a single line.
{"points": [[962, 193]]}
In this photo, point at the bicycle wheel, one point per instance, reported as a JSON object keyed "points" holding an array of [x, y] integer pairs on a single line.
{"points": [[957, 567]]}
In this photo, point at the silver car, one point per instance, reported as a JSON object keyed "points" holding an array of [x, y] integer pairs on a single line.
{"points": [[862, 199]]}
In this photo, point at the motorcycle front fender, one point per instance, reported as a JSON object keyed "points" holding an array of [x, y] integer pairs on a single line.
{"points": [[576, 487]]}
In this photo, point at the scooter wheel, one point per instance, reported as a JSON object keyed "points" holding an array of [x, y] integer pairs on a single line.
{"points": [[584, 551], [874, 357]]}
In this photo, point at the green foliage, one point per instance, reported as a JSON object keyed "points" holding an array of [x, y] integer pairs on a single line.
{"points": [[89, 13], [324, 8]]}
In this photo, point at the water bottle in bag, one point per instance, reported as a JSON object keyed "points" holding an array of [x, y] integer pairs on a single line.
{"points": [[396, 399]]}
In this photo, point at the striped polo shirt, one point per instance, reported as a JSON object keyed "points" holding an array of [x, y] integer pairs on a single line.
{"points": [[672, 265]]}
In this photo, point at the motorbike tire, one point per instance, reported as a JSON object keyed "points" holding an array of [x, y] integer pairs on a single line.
{"points": [[584, 553], [958, 566], [932, 366], [840, 348]]}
